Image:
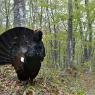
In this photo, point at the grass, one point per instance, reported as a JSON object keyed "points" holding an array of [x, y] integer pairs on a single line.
{"points": [[49, 81]]}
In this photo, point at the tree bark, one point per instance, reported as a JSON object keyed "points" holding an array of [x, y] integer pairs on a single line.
{"points": [[7, 12], [88, 37], [70, 44], [19, 13]]}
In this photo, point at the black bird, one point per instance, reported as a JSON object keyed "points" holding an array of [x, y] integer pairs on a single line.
{"points": [[24, 49]]}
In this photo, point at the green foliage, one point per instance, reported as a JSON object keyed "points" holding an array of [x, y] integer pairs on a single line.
{"points": [[2, 29]]}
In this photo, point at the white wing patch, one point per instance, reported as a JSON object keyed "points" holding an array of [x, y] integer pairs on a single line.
{"points": [[22, 59]]}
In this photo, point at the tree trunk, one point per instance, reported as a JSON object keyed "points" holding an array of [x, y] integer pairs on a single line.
{"points": [[88, 38], [7, 12], [48, 28], [54, 42], [19, 13], [70, 38]]}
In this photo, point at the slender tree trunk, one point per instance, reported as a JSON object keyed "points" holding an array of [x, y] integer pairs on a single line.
{"points": [[7, 22], [80, 23], [88, 37], [47, 17], [40, 17], [48, 23], [89, 29], [70, 38], [7, 12], [54, 42]]}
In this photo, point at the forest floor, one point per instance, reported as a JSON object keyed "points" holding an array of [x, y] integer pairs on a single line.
{"points": [[48, 82]]}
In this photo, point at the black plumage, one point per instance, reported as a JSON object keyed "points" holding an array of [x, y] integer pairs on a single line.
{"points": [[24, 49]]}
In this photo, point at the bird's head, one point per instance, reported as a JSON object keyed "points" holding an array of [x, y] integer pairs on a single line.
{"points": [[36, 50]]}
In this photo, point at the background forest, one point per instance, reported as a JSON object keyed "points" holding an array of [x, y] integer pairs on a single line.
{"points": [[69, 37]]}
